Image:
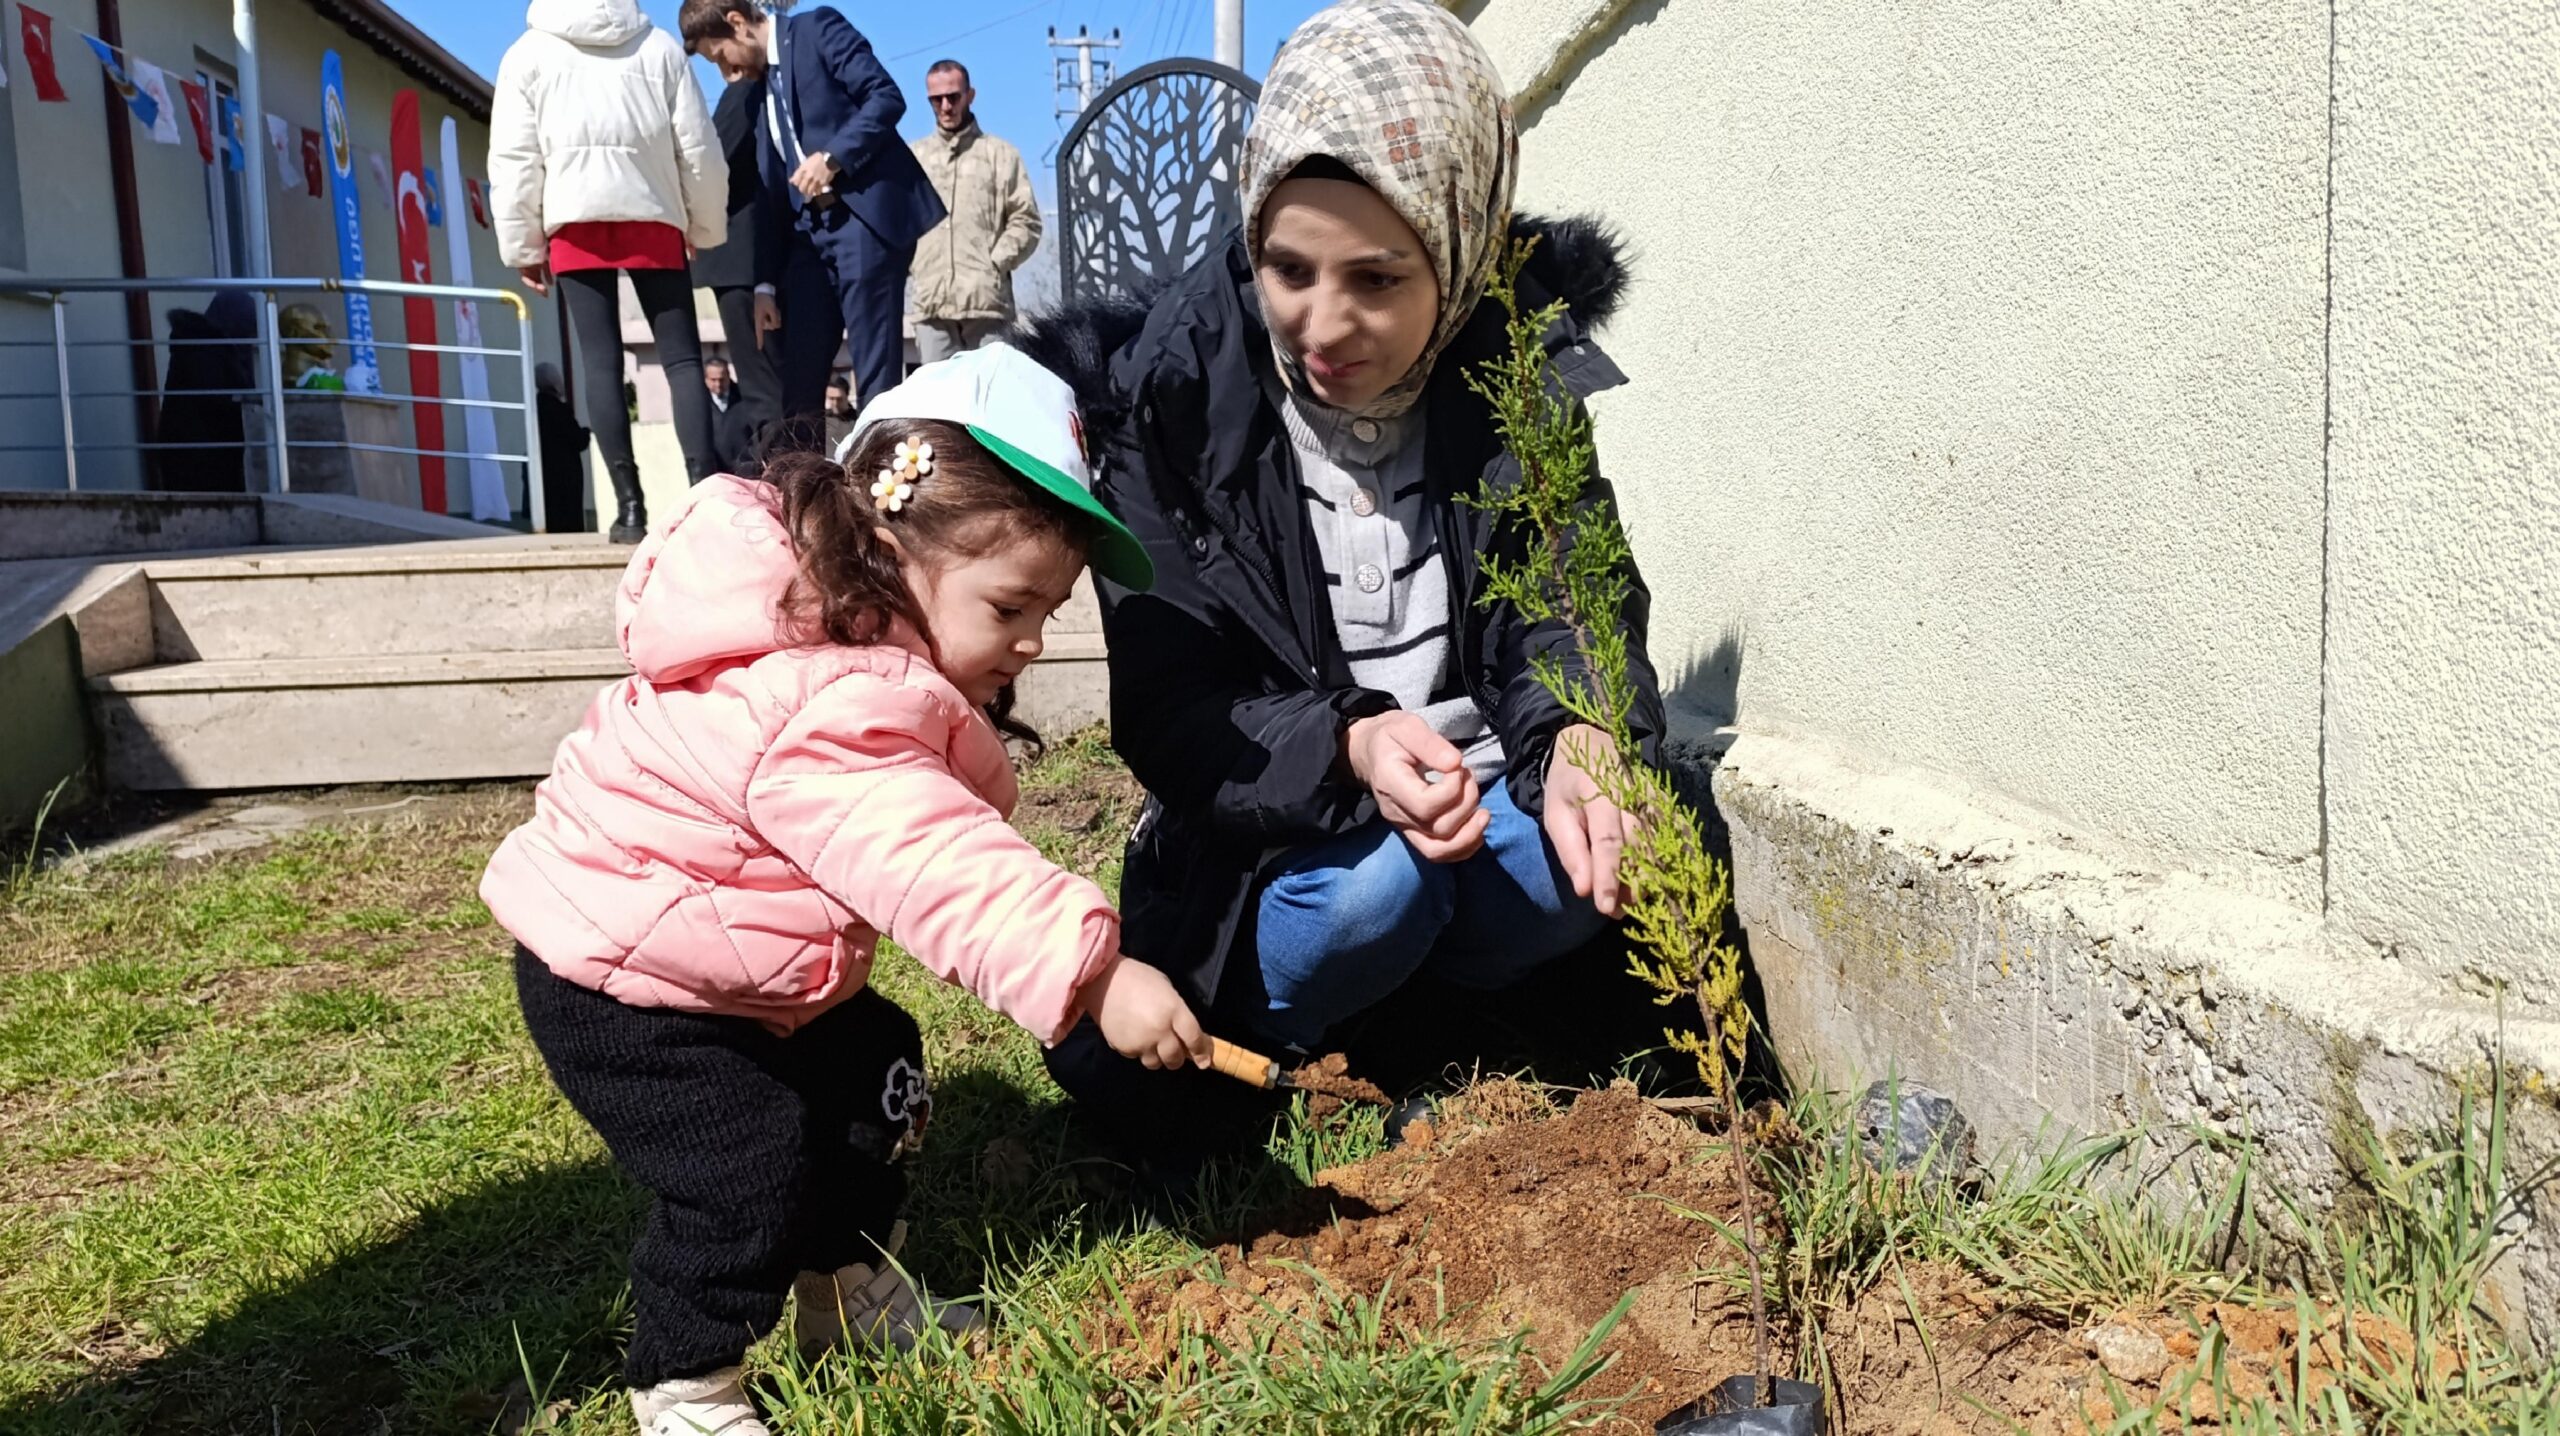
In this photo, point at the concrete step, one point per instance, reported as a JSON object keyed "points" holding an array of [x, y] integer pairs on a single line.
{"points": [[297, 722], [389, 600], [379, 718]]}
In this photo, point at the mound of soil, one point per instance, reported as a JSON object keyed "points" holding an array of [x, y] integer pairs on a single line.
{"points": [[1523, 1217], [1539, 1224]]}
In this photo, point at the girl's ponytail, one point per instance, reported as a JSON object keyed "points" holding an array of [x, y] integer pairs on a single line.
{"points": [[851, 589]]}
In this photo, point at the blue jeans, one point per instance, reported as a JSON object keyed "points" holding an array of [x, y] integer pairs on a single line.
{"points": [[1346, 921]]}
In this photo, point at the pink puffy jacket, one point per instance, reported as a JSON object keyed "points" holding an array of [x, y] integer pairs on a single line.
{"points": [[736, 824]]}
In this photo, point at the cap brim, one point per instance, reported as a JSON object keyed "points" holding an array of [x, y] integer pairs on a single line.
{"points": [[1117, 555]]}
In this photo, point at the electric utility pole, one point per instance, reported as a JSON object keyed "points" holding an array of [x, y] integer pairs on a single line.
{"points": [[1084, 76], [1228, 46]]}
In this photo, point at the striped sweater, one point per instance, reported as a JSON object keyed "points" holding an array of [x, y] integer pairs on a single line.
{"points": [[1388, 583]]}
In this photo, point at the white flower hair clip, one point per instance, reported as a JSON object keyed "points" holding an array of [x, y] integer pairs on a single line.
{"points": [[896, 485], [915, 460]]}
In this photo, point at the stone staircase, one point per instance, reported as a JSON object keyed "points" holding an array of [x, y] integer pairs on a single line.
{"points": [[394, 663]]}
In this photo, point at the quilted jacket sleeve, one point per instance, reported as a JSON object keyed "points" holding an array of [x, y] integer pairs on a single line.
{"points": [[515, 167], [858, 791]]}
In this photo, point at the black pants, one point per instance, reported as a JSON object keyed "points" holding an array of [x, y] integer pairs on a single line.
{"points": [[841, 285], [595, 317], [759, 378], [763, 1156]]}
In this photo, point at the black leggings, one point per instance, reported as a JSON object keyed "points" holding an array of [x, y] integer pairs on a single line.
{"points": [[763, 1156], [595, 317]]}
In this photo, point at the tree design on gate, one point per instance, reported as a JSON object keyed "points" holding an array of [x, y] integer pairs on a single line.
{"points": [[1147, 177]]}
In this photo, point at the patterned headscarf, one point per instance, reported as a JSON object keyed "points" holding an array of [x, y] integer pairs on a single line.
{"points": [[1400, 93]]}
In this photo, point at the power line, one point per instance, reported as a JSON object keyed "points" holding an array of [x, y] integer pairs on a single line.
{"points": [[965, 34]]}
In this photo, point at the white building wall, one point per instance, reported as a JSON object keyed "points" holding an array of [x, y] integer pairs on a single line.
{"points": [[2444, 570]]}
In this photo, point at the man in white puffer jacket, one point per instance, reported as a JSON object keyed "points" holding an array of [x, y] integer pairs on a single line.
{"points": [[603, 162]]}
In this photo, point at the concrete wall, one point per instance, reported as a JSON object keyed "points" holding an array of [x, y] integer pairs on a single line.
{"points": [[2102, 461], [68, 198], [2444, 572]]}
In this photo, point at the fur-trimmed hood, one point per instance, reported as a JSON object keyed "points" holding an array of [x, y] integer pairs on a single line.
{"points": [[1579, 260]]}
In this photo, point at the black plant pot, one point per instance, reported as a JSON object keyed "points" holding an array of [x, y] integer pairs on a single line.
{"points": [[1730, 1412]]}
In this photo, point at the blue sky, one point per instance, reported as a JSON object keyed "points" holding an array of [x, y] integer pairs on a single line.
{"points": [[1001, 41]]}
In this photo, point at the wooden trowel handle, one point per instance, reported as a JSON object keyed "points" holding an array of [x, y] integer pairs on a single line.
{"points": [[1246, 1066]]}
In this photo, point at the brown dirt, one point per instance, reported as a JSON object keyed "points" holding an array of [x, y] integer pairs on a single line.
{"points": [[1535, 1224], [1329, 1082], [1516, 1215]]}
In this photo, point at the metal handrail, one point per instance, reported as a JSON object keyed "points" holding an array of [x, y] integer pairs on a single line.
{"points": [[56, 292]]}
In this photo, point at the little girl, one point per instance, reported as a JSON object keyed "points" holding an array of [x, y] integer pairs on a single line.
{"points": [[805, 758]]}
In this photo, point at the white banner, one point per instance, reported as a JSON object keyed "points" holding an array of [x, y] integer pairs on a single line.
{"points": [[480, 426]]}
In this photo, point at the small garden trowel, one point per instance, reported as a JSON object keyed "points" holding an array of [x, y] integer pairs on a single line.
{"points": [[1248, 1066]]}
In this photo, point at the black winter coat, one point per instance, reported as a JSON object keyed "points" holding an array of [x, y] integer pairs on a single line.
{"points": [[1229, 690]]}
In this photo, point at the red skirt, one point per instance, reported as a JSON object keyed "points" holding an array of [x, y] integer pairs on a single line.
{"points": [[616, 244]]}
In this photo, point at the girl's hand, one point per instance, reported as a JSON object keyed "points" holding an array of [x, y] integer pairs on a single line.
{"points": [[1421, 782], [1589, 832], [1142, 1016], [537, 277]]}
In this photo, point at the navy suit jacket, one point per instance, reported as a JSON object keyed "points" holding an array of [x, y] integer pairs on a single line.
{"points": [[847, 107]]}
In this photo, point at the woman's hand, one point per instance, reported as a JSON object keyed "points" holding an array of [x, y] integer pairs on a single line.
{"points": [[537, 277], [768, 317], [1421, 782], [1142, 1016], [1588, 831]]}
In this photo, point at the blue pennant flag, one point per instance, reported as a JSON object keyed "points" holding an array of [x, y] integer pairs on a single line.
{"points": [[143, 106], [233, 155], [435, 198]]}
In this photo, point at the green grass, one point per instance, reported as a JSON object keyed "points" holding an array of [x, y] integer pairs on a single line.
{"points": [[276, 1156]]}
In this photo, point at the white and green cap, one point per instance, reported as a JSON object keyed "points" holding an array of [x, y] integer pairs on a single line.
{"points": [[1025, 416]]}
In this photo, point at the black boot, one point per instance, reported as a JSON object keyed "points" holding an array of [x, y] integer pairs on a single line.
{"points": [[631, 524]]}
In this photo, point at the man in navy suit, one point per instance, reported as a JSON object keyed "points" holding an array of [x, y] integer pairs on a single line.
{"points": [[847, 198]]}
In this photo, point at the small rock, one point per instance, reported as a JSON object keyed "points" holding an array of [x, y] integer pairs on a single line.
{"points": [[1904, 1126], [2131, 1354]]}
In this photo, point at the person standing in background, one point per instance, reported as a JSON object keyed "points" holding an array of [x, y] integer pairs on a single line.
{"points": [[964, 265], [602, 163], [857, 199], [729, 271]]}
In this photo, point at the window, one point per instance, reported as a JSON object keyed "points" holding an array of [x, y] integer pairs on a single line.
{"points": [[224, 197]]}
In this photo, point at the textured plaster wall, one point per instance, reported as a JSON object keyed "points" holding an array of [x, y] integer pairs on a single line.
{"points": [[1977, 393], [2445, 491]]}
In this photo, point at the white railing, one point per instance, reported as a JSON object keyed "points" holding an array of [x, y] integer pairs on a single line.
{"points": [[271, 389]]}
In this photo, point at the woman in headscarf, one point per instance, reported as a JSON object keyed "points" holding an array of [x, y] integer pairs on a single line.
{"points": [[1353, 773]]}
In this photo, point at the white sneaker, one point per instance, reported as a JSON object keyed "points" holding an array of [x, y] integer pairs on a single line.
{"points": [[874, 1304], [710, 1405]]}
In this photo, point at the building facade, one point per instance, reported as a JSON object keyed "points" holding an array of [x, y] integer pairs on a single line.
{"points": [[2098, 466], [66, 211]]}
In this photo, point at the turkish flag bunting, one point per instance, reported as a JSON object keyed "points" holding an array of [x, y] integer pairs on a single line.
{"points": [[35, 36], [200, 114], [311, 163], [479, 203]]}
